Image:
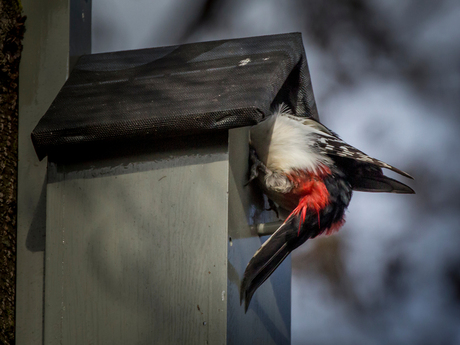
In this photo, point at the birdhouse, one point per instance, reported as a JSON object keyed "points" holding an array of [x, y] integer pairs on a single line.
{"points": [[150, 221]]}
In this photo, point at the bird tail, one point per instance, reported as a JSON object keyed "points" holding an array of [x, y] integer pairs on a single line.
{"points": [[369, 177], [381, 184], [265, 261]]}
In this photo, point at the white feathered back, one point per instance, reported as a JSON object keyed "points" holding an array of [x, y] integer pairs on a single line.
{"points": [[284, 144]]}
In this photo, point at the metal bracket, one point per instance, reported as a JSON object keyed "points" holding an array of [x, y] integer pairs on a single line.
{"points": [[267, 228]]}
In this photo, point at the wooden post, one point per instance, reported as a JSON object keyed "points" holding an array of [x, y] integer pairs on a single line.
{"points": [[56, 31]]}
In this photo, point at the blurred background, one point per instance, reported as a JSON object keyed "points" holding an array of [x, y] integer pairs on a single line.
{"points": [[386, 77]]}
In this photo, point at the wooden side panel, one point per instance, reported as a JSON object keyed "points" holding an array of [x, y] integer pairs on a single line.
{"points": [[268, 320], [152, 251], [137, 253]]}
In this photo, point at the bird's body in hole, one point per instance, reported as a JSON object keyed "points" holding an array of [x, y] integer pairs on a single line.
{"points": [[310, 173]]}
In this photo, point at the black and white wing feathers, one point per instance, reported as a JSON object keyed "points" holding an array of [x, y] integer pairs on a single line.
{"points": [[330, 144], [334, 146], [364, 171]]}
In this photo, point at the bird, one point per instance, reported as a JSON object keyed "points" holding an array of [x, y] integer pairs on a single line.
{"points": [[310, 174]]}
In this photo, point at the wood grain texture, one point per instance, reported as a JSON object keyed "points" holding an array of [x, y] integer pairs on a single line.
{"points": [[137, 254]]}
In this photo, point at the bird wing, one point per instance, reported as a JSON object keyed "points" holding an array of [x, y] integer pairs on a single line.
{"points": [[329, 143], [334, 146]]}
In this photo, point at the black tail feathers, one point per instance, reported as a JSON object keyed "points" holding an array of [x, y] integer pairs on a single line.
{"points": [[265, 261], [381, 184]]}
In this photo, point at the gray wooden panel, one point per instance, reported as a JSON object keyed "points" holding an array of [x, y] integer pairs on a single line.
{"points": [[43, 70], [268, 320], [137, 253]]}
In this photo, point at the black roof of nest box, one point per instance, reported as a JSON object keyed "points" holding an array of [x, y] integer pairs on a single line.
{"points": [[130, 96]]}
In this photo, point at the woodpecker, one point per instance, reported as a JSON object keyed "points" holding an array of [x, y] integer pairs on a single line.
{"points": [[310, 173]]}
